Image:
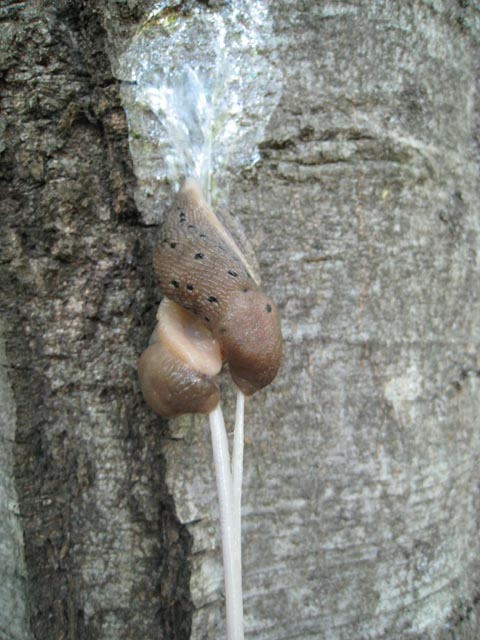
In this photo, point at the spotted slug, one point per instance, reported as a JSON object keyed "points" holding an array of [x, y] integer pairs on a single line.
{"points": [[201, 268]]}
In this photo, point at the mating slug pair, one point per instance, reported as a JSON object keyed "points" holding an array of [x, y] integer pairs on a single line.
{"points": [[213, 311]]}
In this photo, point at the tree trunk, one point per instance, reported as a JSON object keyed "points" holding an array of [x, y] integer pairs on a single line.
{"points": [[361, 496]]}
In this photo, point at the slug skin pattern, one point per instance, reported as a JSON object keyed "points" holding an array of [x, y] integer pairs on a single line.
{"points": [[199, 266]]}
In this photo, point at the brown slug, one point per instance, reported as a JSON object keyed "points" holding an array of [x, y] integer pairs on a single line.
{"points": [[200, 267], [177, 371]]}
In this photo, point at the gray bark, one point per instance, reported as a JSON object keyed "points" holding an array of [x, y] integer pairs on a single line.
{"points": [[14, 616], [105, 555], [361, 495]]}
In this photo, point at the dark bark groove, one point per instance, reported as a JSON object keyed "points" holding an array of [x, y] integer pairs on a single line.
{"points": [[105, 554]]}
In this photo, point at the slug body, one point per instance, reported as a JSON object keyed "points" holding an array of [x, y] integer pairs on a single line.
{"points": [[200, 267], [177, 371]]}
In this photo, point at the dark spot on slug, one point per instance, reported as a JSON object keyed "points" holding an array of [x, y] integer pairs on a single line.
{"points": [[202, 235], [199, 256], [269, 308], [206, 319], [191, 226], [232, 273], [223, 330], [212, 299], [183, 216], [173, 245], [174, 283], [245, 290], [190, 287]]}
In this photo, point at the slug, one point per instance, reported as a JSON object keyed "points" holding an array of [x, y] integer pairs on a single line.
{"points": [[201, 268], [177, 371]]}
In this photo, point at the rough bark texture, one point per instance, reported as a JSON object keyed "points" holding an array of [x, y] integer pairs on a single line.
{"points": [[106, 557], [13, 603], [361, 499]]}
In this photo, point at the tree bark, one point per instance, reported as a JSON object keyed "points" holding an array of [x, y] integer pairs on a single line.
{"points": [[361, 495], [105, 554]]}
